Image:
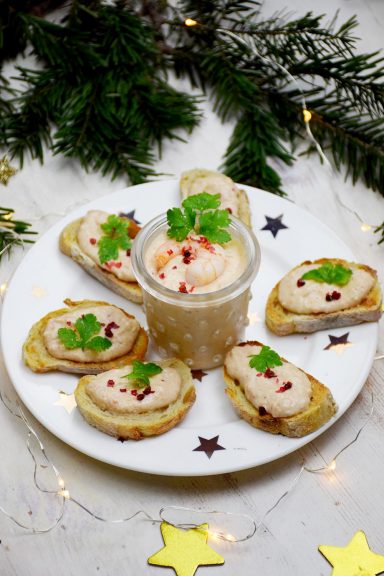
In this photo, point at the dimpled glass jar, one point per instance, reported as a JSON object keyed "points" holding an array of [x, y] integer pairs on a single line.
{"points": [[197, 328]]}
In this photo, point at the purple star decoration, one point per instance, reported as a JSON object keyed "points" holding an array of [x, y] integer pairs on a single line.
{"points": [[208, 445], [336, 340], [198, 374], [274, 225], [130, 215]]}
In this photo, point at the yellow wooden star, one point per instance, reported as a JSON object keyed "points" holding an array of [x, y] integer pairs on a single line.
{"points": [[6, 170], [185, 550], [355, 559], [67, 401]]}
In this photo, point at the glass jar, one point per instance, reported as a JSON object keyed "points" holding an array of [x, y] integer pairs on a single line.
{"points": [[197, 328]]}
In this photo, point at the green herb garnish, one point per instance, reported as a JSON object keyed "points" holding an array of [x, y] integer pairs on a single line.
{"points": [[141, 373], [115, 237], [200, 214], [267, 358], [86, 327], [329, 273]]}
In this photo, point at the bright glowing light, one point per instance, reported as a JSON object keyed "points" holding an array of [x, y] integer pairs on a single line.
{"points": [[61, 483], [366, 227], [190, 22], [222, 536], [230, 538], [64, 494], [307, 115], [3, 288], [332, 466]]}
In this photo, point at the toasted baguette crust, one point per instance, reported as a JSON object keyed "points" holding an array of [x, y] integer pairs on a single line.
{"points": [[283, 322], [138, 426], [70, 247], [244, 208], [321, 408], [38, 359]]}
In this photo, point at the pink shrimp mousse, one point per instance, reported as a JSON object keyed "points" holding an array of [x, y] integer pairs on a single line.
{"points": [[194, 266]]}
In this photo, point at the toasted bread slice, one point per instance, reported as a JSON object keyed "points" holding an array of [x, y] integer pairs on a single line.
{"points": [[38, 359], [283, 322], [321, 408], [138, 426], [69, 245], [244, 212]]}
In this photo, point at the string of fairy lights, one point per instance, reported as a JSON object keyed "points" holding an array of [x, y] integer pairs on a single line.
{"points": [[64, 496]]}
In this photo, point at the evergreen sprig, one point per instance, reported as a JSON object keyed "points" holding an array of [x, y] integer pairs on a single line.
{"points": [[380, 230], [101, 94], [344, 91], [12, 232]]}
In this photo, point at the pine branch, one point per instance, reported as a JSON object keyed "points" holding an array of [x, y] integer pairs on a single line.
{"points": [[12, 232], [102, 89], [102, 96], [286, 38], [252, 142]]}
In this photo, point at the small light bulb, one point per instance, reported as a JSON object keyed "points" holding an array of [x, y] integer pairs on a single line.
{"points": [[64, 494], [190, 22], [230, 538], [332, 466], [61, 483], [3, 289], [307, 115], [366, 227]]}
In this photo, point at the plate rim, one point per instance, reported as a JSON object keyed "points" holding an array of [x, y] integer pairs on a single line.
{"points": [[296, 443]]}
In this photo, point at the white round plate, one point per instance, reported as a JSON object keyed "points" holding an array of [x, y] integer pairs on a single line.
{"points": [[46, 277]]}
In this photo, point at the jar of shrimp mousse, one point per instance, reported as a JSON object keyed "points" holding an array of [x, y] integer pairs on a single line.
{"points": [[195, 293]]}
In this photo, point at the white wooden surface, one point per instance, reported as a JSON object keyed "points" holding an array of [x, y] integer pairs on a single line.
{"points": [[321, 509]]}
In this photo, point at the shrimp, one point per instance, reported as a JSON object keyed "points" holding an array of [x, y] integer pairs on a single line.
{"points": [[166, 252], [205, 269]]}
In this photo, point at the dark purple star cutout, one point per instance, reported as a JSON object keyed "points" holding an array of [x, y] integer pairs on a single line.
{"points": [[208, 445], [130, 215], [198, 374], [274, 225], [335, 340]]}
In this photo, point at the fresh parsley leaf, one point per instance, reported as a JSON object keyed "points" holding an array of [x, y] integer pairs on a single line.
{"points": [[98, 343], [203, 201], [213, 224], [68, 337], [116, 236], [200, 215], [87, 325], [180, 224], [267, 358], [141, 373], [329, 273], [83, 337]]}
